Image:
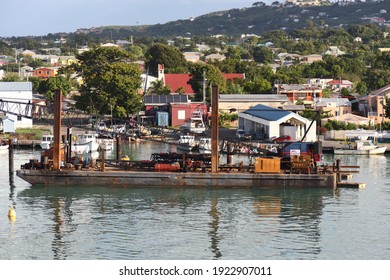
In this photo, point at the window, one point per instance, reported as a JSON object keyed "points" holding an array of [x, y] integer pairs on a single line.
{"points": [[181, 114], [19, 118]]}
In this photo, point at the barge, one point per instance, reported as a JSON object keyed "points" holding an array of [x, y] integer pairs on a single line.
{"points": [[265, 173], [126, 178]]}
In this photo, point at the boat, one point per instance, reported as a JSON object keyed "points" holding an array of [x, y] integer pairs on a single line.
{"points": [[85, 143], [46, 141], [186, 143], [105, 144], [204, 145], [195, 124], [360, 147]]}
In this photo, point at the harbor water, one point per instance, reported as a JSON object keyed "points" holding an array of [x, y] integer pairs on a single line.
{"points": [[113, 223]]}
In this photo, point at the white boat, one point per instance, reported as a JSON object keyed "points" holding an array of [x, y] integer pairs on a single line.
{"points": [[186, 143], [361, 147], [46, 141], [204, 145], [85, 143], [195, 124], [106, 144]]}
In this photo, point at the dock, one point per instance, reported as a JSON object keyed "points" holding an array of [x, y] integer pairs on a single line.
{"points": [[351, 185]]}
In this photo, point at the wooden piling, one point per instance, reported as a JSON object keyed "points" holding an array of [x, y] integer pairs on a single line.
{"points": [[11, 157], [214, 130]]}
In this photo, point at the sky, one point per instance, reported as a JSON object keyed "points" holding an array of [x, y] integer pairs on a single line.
{"points": [[40, 17]]}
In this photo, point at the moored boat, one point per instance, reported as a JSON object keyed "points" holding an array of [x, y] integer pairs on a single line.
{"points": [[46, 141], [195, 124], [204, 145], [186, 143], [360, 147], [85, 143]]}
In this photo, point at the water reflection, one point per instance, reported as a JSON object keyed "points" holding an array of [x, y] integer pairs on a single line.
{"points": [[116, 223], [214, 226], [292, 218]]}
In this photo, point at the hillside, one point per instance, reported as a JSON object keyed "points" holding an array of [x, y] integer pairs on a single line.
{"points": [[259, 20]]}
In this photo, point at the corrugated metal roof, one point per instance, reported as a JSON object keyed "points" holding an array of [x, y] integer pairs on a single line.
{"points": [[267, 113], [253, 97], [15, 86]]}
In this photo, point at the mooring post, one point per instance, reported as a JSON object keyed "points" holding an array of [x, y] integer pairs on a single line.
{"points": [[57, 130], [214, 130], [11, 157], [69, 143], [103, 150], [338, 174], [118, 147]]}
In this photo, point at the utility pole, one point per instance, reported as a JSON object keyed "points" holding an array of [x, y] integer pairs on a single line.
{"points": [[204, 86]]}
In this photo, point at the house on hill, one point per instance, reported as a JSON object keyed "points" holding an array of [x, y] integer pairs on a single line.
{"points": [[299, 92], [181, 81], [45, 72], [374, 104], [335, 106]]}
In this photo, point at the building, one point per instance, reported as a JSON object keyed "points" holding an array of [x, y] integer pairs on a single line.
{"points": [[45, 72], [335, 51], [305, 93], [338, 84], [335, 106], [266, 122], [179, 108], [17, 92], [374, 102], [229, 103], [8, 125], [178, 82]]}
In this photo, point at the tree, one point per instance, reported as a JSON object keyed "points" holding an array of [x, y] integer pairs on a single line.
{"points": [[158, 87], [11, 77], [110, 82], [386, 107], [171, 57], [361, 88], [49, 86], [213, 77], [262, 54]]}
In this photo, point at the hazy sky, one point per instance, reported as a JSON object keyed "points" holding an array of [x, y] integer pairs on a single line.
{"points": [[40, 17]]}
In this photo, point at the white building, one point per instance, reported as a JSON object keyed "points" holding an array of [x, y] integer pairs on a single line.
{"points": [[18, 92], [270, 122]]}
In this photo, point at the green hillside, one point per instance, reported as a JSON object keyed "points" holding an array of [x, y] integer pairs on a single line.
{"points": [[259, 20]]}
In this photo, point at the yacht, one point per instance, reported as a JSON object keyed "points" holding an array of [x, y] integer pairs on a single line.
{"points": [[195, 124]]}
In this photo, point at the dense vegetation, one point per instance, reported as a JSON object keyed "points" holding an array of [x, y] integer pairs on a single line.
{"points": [[363, 63]]}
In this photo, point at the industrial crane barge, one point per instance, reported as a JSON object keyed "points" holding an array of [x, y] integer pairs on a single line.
{"points": [[182, 171]]}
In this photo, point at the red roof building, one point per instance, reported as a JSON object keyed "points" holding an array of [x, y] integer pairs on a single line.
{"points": [[176, 81]]}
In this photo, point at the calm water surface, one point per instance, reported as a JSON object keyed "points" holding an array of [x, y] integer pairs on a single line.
{"points": [[117, 223]]}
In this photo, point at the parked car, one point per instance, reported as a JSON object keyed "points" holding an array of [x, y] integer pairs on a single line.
{"points": [[247, 136], [240, 133], [281, 139]]}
